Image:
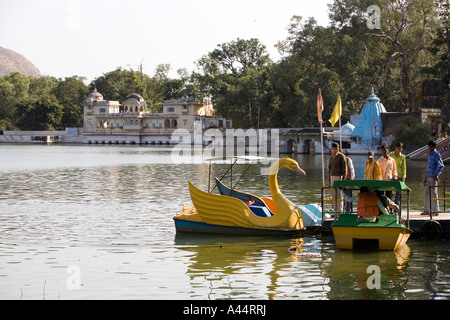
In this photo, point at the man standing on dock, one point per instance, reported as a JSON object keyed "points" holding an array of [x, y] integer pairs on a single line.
{"points": [[400, 161], [372, 170], [434, 168], [388, 167], [337, 170]]}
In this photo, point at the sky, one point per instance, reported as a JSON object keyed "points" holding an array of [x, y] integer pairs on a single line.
{"points": [[88, 38]]}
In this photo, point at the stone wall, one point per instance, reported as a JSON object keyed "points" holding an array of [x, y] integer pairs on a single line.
{"points": [[392, 120], [70, 135]]}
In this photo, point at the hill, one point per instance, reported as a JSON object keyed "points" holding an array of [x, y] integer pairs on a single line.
{"points": [[11, 61]]}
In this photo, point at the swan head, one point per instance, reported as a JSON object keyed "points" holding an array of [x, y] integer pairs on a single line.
{"points": [[288, 163]]}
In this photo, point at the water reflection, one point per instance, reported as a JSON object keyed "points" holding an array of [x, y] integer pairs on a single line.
{"points": [[351, 276], [253, 267], [302, 268]]}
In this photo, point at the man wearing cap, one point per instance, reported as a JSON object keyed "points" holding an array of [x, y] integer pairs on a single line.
{"points": [[337, 167], [372, 169], [400, 161]]}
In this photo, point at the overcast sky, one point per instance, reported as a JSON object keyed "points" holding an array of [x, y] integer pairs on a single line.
{"points": [[87, 38]]}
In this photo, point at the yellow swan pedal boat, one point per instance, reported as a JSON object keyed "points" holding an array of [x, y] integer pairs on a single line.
{"points": [[221, 214]]}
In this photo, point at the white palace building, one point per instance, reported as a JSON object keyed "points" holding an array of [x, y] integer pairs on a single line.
{"points": [[109, 122]]}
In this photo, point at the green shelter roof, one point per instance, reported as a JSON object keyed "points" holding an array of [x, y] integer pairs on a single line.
{"points": [[381, 185]]}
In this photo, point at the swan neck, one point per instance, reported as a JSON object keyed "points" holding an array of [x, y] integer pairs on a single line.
{"points": [[273, 181]]}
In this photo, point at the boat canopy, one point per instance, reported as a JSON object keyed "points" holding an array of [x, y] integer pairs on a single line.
{"points": [[234, 159], [247, 158], [381, 185]]}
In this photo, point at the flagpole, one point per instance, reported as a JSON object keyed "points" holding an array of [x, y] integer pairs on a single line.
{"points": [[323, 161], [319, 115], [340, 133]]}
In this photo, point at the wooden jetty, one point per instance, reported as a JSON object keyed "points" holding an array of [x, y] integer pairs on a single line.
{"points": [[436, 227]]}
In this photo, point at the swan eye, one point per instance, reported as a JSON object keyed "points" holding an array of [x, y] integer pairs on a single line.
{"points": [[294, 166]]}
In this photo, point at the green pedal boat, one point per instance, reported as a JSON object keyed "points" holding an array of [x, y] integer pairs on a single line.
{"points": [[371, 226]]}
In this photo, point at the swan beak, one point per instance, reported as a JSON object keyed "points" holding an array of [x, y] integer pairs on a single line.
{"points": [[300, 170]]}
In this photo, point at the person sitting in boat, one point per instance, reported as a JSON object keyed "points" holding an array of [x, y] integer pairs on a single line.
{"points": [[250, 202], [372, 204]]}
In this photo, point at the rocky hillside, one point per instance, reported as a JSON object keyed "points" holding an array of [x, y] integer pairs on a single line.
{"points": [[11, 61]]}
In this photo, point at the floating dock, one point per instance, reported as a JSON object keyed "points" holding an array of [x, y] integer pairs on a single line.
{"points": [[438, 227]]}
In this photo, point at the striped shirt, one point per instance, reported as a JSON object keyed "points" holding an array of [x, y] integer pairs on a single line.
{"points": [[435, 164]]}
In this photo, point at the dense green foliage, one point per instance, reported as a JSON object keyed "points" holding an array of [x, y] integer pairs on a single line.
{"points": [[407, 133], [347, 57]]}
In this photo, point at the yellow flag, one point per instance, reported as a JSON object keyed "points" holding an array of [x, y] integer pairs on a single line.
{"points": [[337, 112]]}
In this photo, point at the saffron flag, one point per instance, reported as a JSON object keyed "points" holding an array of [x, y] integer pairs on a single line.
{"points": [[319, 106], [337, 112]]}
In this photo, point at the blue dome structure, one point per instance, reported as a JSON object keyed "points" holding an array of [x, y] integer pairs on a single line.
{"points": [[369, 130], [347, 129]]}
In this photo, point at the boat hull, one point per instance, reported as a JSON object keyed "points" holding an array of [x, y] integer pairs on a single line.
{"points": [[388, 238], [202, 227]]}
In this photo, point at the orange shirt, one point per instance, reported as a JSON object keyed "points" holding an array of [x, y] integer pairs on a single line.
{"points": [[388, 168]]}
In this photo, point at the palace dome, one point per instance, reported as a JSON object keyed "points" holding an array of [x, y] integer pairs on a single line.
{"points": [[95, 95], [135, 96], [134, 102]]}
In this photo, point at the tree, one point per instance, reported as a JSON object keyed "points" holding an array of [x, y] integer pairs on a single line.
{"points": [[406, 30], [441, 49], [14, 89], [311, 64], [117, 84], [349, 57], [40, 113], [235, 75], [412, 133], [71, 93], [166, 88]]}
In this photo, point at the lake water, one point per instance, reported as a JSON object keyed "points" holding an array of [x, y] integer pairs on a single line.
{"points": [[95, 222]]}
